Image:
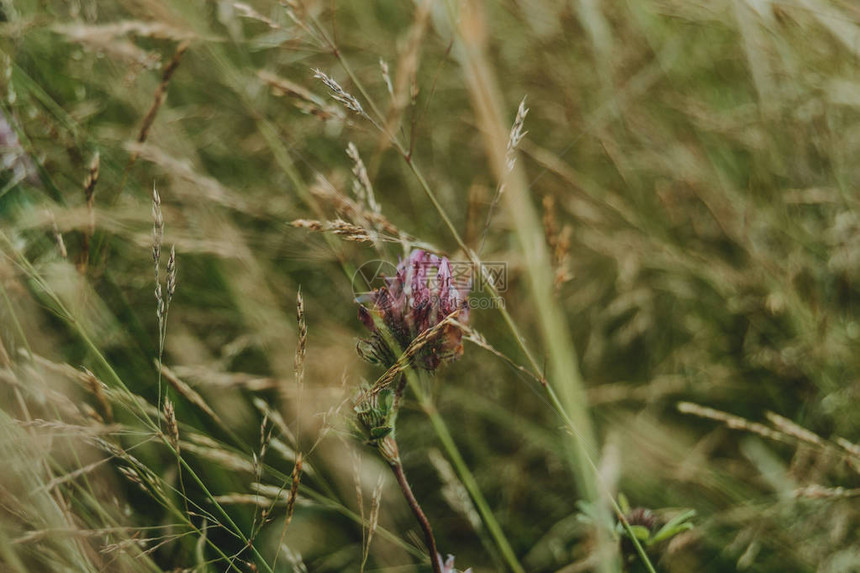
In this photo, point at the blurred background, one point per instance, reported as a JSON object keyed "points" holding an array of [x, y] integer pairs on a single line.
{"points": [[694, 167]]}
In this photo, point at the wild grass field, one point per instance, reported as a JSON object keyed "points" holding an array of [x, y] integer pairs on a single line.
{"points": [[655, 365]]}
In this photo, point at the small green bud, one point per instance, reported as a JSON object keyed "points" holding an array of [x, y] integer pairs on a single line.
{"points": [[375, 413]]}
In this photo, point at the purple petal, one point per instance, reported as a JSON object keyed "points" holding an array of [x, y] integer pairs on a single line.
{"points": [[366, 319]]}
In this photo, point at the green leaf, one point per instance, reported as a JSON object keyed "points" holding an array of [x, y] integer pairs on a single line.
{"points": [[675, 526], [641, 532], [380, 432]]}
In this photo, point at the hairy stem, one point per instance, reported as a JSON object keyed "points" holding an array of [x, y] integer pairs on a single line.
{"points": [[467, 479], [397, 468]]}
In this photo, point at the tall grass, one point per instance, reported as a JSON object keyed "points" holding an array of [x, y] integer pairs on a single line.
{"points": [[678, 224]]}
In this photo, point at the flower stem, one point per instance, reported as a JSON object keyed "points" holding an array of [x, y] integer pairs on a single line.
{"points": [[468, 479], [397, 468]]}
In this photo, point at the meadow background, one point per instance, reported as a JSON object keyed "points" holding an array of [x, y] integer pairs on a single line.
{"points": [[689, 171]]}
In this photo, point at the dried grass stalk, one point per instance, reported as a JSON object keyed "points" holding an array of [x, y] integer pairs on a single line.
{"points": [[305, 100], [301, 345], [97, 388], [188, 393], [341, 228], [478, 339], [90, 182], [157, 239], [172, 426], [361, 185], [405, 88], [151, 29], [58, 236], [732, 421], [516, 135], [276, 418], [248, 12], [161, 91], [849, 447], [295, 480], [558, 241], [171, 276], [386, 76], [351, 209], [453, 490], [816, 491], [788, 427], [373, 518], [218, 455], [338, 93]]}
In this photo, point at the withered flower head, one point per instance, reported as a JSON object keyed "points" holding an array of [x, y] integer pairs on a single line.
{"points": [[642, 516], [643, 524], [422, 294]]}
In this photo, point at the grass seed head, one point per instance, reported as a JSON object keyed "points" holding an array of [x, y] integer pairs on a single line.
{"points": [[516, 135], [172, 426], [338, 93]]}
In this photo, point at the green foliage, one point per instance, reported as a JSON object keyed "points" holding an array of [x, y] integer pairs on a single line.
{"points": [[694, 163], [374, 412]]}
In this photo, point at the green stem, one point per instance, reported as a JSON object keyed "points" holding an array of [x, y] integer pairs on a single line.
{"points": [[466, 477], [436, 420]]}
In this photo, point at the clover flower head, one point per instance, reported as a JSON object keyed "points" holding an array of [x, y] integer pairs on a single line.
{"points": [[422, 293]]}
